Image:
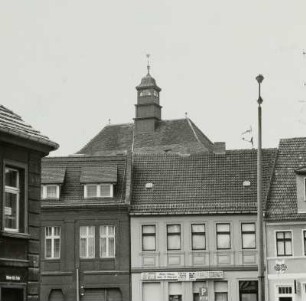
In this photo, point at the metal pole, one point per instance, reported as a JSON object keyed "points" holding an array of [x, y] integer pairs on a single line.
{"points": [[261, 275], [77, 285]]}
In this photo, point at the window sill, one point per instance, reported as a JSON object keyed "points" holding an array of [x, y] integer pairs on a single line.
{"points": [[15, 234]]}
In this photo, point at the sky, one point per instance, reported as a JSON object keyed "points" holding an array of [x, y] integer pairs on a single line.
{"points": [[69, 66]]}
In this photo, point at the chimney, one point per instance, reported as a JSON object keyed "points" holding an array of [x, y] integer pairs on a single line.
{"points": [[219, 148]]}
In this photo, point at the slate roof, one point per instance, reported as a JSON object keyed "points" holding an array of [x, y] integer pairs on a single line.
{"points": [[72, 190], [12, 124], [178, 136], [203, 183], [282, 203]]}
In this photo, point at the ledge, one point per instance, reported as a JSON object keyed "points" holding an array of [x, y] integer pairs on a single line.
{"points": [[16, 235]]}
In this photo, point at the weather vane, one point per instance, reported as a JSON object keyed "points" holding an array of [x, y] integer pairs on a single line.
{"points": [[248, 136], [148, 65]]}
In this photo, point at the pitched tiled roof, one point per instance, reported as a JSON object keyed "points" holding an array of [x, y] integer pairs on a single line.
{"points": [[13, 124], [53, 175], [72, 190], [282, 203], [199, 184], [179, 135]]}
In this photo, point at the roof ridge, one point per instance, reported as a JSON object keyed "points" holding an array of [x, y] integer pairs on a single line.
{"points": [[195, 134]]}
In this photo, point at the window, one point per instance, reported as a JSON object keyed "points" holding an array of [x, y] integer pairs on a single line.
{"points": [[14, 200], [107, 241], [305, 189], [198, 237], [221, 291], [151, 291], [284, 243], [145, 93], [248, 290], [52, 242], [304, 239], [148, 238], [173, 237], [199, 288], [248, 236], [175, 291], [87, 241], [223, 236], [50, 192], [98, 191]]}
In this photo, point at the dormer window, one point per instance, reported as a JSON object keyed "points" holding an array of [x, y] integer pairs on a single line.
{"points": [[98, 191], [301, 189], [99, 181], [51, 192]]}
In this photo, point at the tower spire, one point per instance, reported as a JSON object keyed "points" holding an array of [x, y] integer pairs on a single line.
{"points": [[148, 63]]}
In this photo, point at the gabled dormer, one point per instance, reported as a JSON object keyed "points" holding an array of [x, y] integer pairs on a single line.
{"points": [[301, 189]]}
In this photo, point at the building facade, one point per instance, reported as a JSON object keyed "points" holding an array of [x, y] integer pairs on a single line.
{"points": [[85, 229], [193, 226], [286, 224], [21, 150]]}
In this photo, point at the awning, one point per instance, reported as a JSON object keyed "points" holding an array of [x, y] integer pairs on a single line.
{"points": [[99, 174], [53, 175]]}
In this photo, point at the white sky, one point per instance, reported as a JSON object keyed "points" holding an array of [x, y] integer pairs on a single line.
{"points": [[68, 66]]}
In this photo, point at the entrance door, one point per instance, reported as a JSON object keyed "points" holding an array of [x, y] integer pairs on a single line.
{"points": [[11, 294], [285, 299]]}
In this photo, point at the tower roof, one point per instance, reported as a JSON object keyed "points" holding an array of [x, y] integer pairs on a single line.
{"points": [[148, 82]]}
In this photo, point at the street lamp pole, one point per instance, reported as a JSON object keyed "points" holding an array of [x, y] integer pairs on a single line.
{"points": [[261, 275]]}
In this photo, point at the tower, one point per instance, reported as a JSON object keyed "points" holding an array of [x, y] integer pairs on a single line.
{"points": [[148, 109]]}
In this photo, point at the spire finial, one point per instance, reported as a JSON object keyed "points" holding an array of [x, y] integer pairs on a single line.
{"points": [[148, 65]]}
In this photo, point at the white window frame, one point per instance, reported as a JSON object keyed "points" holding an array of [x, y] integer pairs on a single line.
{"points": [[229, 233], [15, 191], [243, 232], [98, 191], [153, 235], [44, 190], [279, 295], [107, 237], [53, 237], [87, 237], [198, 233]]}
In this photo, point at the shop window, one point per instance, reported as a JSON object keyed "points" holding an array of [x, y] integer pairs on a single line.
{"points": [[285, 293], [112, 294], [221, 290], [151, 291], [248, 236], [175, 291], [173, 237], [198, 237], [87, 242], [148, 238], [14, 200], [52, 242], [248, 290], [107, 241], [196, 289], [284, 243], [12, 293], [223, 236]]}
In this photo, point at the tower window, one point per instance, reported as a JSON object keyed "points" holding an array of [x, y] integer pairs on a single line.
{"points": [[145, 93]]}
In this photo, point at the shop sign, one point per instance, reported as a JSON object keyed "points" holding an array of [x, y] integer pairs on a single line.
{"points": [[12, 278], [182, 276]]}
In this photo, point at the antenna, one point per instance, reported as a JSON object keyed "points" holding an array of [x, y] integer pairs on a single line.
{"points": [[148, 62], [186, 114], [248, 136]]}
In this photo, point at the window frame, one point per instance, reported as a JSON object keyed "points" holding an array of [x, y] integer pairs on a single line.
{"points": [[246, 233], [98, 190], [22, 196], [44, 195], [148, 235], [223, 233], [284, 241], [87, 236], [179, 234], [107, 237], [52, 237], [202, 233]]}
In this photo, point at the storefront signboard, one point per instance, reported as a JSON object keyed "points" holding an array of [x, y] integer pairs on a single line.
{"points": [[182, 276]]}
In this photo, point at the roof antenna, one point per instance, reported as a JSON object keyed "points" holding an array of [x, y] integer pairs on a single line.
{"points": [[109, 121], [186, 115], [148, 64], [248, 136]]}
